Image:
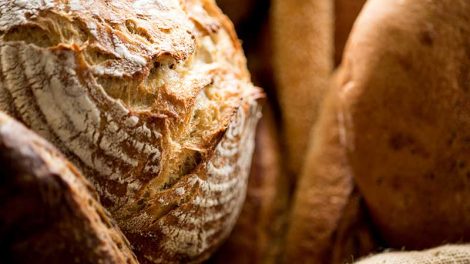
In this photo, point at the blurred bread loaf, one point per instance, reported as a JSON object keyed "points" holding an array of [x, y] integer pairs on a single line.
{"points": [[398, 129], [405, 100], [328, 222], [302, 35], [151, 100], [325, 206], [49, 212]]}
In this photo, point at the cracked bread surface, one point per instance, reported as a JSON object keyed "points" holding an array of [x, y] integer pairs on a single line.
{"points": [[150, 99]]}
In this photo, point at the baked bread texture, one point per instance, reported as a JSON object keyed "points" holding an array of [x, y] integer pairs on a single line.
{"points": [[405, 99], [150, 99], [326, 218], [396, 124], [303, 47], [322, 193], [49, 211], [259, 232]]}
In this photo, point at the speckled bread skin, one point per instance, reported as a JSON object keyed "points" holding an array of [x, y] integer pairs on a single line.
{"points": [[150, 99], [49, 211], [406, 105], [303, 47]]}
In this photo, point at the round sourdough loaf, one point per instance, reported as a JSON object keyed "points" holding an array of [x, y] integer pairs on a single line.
{"points": [[49, 211], [150, 99]]}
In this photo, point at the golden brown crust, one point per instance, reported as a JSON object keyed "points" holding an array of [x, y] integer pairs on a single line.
{"points": [[323, 191], [406, 106], [256, 238], [151, 99], [49, 212], [303, 62]]}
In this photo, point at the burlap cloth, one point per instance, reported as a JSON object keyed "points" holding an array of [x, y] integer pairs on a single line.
{"points": [[449, 254]]}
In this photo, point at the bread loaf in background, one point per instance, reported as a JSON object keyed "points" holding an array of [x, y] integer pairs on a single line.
{"points": [[325, 205], [49, 212], [405, 100], [302, 35], [151, 100], [328, 221]]}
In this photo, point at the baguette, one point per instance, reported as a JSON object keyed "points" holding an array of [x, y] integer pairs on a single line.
{"points": [[323, 191], [151, 100], [302, 33], [49, 211]]}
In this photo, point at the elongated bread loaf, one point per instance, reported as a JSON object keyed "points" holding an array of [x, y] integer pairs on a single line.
{"points": [[302, 32], [406, 107], [49, 212], [150, 99], [327, 221], [324, 205]]}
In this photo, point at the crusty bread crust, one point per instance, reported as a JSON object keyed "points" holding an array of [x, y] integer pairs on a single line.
{"points": [[258, 234], [151, 99], [49, 211], [406, 108]]}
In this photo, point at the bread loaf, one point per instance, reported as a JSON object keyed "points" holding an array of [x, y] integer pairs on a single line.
{"points": [[49, 212], [150, 99], [324, 193], [406, 118], [302, 33]]}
